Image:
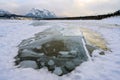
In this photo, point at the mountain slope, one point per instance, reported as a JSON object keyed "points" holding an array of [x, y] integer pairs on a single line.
{"points": [[3, 12], [40, 13]]}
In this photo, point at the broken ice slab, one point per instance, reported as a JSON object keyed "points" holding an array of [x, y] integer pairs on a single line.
{"points": [[61, 50]]}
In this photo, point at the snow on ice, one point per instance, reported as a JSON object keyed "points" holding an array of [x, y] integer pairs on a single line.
{"points": [[102, 67]]}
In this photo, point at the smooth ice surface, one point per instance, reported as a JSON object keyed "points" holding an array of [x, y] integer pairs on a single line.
{"points": [[106, 67]]}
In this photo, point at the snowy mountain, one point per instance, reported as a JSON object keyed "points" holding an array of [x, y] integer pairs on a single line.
{"points": [[41, 13], [118, 12], [3, 12]]}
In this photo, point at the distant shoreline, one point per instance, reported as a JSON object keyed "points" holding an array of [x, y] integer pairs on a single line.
{"points": [[95, 17]]}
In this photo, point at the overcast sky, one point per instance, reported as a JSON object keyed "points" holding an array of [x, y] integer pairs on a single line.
{"points": [[62, 7]]}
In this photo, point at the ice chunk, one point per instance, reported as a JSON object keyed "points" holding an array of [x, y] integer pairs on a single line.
{"points": [[50, 62], [64, 52], [29, 53], [58, 71], [28, 64], [73, 52], [38, 47], [69, 65]]}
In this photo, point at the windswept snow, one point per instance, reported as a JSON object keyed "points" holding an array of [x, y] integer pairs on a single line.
{"points": [[103, 67]]}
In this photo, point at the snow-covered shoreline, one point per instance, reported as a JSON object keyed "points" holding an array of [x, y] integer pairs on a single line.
{"points": [[106, 67]]}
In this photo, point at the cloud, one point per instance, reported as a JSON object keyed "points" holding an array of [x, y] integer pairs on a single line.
{"points": [[62, 7], [106, 6]]}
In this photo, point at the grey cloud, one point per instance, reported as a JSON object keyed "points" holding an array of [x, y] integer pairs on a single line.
{"points": [[62, 7]]}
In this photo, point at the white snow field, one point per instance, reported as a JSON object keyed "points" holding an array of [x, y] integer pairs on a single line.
{"points": [[102, 67]]}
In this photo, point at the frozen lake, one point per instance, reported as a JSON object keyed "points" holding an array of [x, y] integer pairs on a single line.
{"points": [[102, 67]]}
